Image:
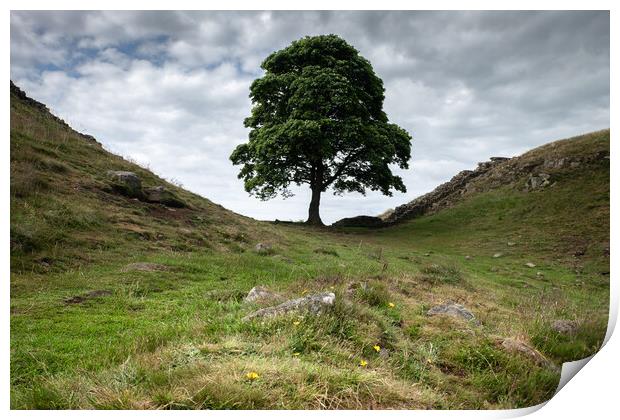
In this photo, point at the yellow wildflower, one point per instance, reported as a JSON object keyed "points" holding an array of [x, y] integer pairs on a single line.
{"points": [[377, 348], [363, 363], [252, 375], [391, 304], [305, 291], [296, 353], [296, 323]]}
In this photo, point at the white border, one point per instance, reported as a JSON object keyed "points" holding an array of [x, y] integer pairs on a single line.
{"points": [[592, 393]]}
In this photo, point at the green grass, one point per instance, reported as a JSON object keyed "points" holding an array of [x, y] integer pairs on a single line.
{"points": [[175, 339]]}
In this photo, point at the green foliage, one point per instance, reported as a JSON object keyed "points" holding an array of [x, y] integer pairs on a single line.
{"points": [[374, 293], [318, 119], [439, 273]]}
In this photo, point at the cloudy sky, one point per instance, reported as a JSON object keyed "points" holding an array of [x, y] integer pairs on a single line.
{"points": [[170, 89]]}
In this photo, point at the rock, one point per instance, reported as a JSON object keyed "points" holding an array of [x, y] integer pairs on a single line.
{"points": [[87, 296], [564, 326], [467, 257], [145, 266], [517, 346], [530, 265], [260, 293], [360, 221], [537, 182], [452, 309], [511, 243], [263, 248], [313, 304], [126, 183], [555, 163], [162, 195], [540, 274], [497, 255]]}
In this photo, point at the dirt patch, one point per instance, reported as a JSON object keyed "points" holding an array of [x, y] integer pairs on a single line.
{"points": [[167, 213], [86, 296], [145, 266]]}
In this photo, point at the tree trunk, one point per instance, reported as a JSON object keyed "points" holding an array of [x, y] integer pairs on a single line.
{"points": [[313, 212]]}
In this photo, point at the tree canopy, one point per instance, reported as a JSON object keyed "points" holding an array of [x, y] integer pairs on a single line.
{"points": [[318, 119]]}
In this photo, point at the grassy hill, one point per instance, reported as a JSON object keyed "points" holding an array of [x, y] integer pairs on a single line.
{"points": [[89, 330]]}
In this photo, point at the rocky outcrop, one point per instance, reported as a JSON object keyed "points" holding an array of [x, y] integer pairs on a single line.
{"points": [[453, 309], [162, 195], [360, 221], [444, 195], [261, 294], [536, 182], [21, 95], [564, 326], [126, 183], [263, 248], [517, 346], [533, 171], [312, 304]]}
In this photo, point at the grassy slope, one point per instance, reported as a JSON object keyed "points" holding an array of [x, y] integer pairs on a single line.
{"points": [[174, 339]]}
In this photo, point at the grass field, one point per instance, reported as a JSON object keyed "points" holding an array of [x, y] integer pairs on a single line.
{"points": [[87, 333]]}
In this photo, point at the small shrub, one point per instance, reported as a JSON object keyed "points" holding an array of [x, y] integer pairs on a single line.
{"points": [[435, 274], [373, 293], [326, 251]]}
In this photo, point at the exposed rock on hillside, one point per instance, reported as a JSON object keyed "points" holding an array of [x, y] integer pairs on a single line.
{"points": [[261, 294], [535, 169], [15, 90], [126, 183], [359, 221], [162, 195], [453, 309], [313, 304]]}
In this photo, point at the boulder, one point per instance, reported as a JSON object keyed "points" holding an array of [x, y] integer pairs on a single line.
{"points": [[360, 221], [453, 309], [312, 304], [126, 183], [564, 326], [263, 248], [162, 195], [516, 346], [536, 182], [145, 266], [260, 294]]}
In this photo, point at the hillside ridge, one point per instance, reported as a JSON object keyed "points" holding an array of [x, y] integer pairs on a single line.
{"points": [[534, 170]]}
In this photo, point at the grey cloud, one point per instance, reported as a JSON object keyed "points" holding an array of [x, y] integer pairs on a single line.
{"points": [[170, 89]]}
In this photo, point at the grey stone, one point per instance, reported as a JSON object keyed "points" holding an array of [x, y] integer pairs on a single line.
{"points": [[162, 195], [127, 183], [313, 304], [263, 248], [145, 266], [497, 255], [537, 182], [453, 309], [260, 293], [530, 264], [564, 326], [516, 346]]}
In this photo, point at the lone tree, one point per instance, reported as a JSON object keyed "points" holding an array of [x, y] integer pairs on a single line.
{"points": [[318, 119]]}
